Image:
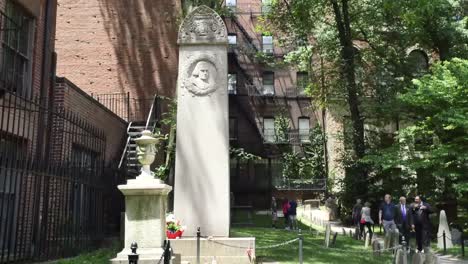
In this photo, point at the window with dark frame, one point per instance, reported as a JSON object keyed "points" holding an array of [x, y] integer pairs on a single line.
{"points": [[304, 129], [302, 80], [232, 83], [233, 128], [267, 44], [15, 68], [269, 129], [232, 39], [12, 150], [231, 3], [268, 83]]}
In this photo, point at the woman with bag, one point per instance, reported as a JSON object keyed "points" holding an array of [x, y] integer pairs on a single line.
{"points": [[366, 220]]}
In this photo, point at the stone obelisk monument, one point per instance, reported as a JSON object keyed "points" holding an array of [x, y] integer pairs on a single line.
{"points": [[201, 197]]}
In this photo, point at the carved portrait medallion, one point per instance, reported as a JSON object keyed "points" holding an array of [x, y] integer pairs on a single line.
{"points": [[201, 75]]}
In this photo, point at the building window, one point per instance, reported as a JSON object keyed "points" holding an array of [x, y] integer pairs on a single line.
{"points": [[232, 128], [231, 3], [418, 62], [267, 44], [302, 80], [232, 83], [84, 159], [269, 129], [15, 71], [304, 129], [266, 6], [232, 39], [268, 83]]}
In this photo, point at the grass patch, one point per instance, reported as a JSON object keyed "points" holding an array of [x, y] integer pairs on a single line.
{"points": [[314, 252], [455, 251], [100, 256]]}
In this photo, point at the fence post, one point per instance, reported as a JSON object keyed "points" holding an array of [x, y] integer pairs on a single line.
{"points": [[167, 252], [462, 244], [133, 257], [198, 245], [300, 246], [445, 243]]}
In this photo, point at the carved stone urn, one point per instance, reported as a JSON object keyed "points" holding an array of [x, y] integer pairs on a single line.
{"points": [[146, 153]]}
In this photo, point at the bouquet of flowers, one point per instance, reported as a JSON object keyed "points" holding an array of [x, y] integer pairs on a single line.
{"points": [[174, 229]]}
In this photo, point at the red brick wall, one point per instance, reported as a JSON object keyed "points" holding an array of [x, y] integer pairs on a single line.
{"points": [[107, 46], [70, 97]]}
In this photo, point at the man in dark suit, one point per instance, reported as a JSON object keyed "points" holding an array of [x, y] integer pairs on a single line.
{"points": [[403, 219], [421, 223]]}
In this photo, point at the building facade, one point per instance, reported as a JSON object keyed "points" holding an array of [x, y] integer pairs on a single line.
{"points": [[58, 146]]}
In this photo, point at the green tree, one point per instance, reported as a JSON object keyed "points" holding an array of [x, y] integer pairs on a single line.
{"points": [[433, 148]]}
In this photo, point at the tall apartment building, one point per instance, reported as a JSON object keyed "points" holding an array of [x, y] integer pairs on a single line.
{"points": [[110, 47], [263, 94]]}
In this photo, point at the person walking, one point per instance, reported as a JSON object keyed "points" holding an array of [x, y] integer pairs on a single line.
{"points": [[285, 213], [366, 220], [422, 223], [387, 219], [292, 212], [403, 220], [274, 212], [356, 215]]}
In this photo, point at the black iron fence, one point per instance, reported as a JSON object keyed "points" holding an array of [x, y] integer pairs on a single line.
{"points": [[128, 108], [57, 197]]}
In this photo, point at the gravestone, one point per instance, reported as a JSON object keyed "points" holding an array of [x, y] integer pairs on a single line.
{"points": [[333, 243], [327, 235], [201, 188], [456, 236], [367, 240], [344, 231], [444, 227], [376, 247]]}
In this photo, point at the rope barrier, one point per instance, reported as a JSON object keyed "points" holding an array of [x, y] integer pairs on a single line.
{"points": [[264, 247]]}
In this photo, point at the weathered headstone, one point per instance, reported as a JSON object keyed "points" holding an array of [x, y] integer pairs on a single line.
{"points": [[456, 236], [376, 247], [444, 227], [344, 231], [333, 243], [400, 257], [201, 196], [327, 235], [367, 240]]}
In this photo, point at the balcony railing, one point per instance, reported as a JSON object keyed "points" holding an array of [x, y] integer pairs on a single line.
{"points": [[292, 136]]}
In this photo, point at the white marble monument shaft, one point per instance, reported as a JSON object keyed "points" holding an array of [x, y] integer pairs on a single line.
{"points": [[201, 197]]}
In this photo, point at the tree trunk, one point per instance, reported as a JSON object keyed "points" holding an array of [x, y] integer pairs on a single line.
{"points": [[355, 181]]}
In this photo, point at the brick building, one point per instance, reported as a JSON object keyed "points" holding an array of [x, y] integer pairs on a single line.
{"points": [[58, 146], [113, 47]]}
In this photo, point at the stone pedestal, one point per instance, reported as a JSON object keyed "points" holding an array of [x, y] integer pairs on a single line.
{"points": [[223, 250], [201, 190], [145, 219]]}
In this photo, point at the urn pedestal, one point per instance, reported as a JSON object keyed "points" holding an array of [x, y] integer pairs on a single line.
{"points": [[145, 208]]}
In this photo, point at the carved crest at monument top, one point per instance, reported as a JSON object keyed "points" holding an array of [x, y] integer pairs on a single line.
{"points": [[202, 26]]}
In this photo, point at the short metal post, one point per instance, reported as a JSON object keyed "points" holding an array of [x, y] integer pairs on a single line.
{"points": [[445, 245], [462, 243], [404, 248], [198, 245], [133, 257], [167, 252], [301, 238]]}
